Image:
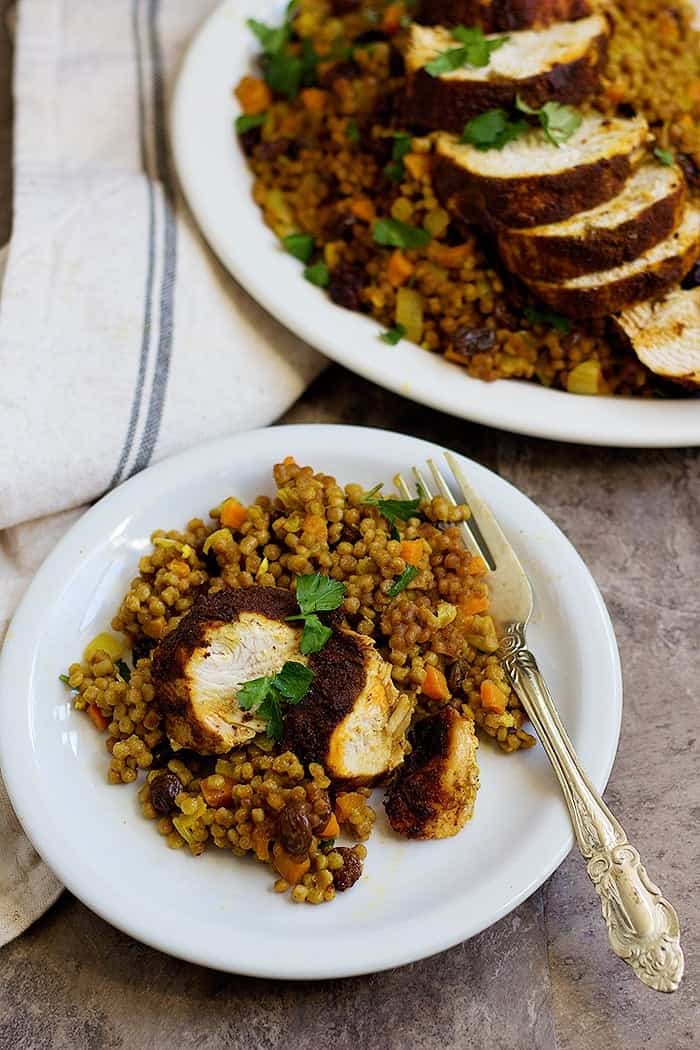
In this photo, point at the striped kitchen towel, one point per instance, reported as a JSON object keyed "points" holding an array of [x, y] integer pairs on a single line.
{"points": [[121, 338]]}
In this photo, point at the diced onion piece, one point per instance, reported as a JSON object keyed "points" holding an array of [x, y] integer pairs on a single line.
{"points": [[409, 313], [584, 379], [107, 643]]}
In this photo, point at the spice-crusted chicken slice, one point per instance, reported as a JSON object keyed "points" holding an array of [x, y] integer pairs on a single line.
{"points": [[500, 15], [433, 794], [353, 719], [665, 335], [227, 639]]}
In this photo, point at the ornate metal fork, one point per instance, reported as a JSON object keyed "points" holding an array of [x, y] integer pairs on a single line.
{"points": [[642, 925]]}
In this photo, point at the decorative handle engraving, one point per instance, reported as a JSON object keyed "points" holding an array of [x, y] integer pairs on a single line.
{"points": [[642, 926]]}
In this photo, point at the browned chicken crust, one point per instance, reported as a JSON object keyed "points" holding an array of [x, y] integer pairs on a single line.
{"points": [[433, 794], [495, 16]]}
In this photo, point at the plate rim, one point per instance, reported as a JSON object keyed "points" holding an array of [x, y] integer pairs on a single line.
{"points": [[518, 407], [11, 663]]}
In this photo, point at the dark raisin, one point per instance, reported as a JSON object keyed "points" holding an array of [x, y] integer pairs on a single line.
{"points": [[469, 341], [344, 7], [340, 226], [379, 148], [294, 829], [142, 649], [273, 149], [346, 284], [164, 790], [504, 316], [250, 139], [693, 278], [350, 872], [457, 673], [345, 69], [370, 36], [162, 753]]}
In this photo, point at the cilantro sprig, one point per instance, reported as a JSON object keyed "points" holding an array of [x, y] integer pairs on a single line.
{"points": [[408, 574], [300, 245], [247, 121], [664, 156], [396, 234], [547, 317], [316, 593], [394, 335], [402, 146], [266, 696], [559, 122], [393, 510], [475, 51], [285, 70]]}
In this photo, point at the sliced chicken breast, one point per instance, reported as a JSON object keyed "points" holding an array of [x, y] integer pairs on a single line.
{"points": [[494, 16], [227, 639], [665, 335], [433, 794], [530, 182], [561, 63], [644, 213], [650, 275], [353, 720]]}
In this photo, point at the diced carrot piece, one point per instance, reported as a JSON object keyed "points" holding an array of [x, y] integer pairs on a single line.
{"points": [[435, 684], [289, 461], [475, 604], [331, 830], [399, 269], [391, 22], [449, 257], [345, 803], [412, 551], [96, 717], [313, 99], [316, 528], [293, 869], [477, 566], [254, 95], [232, 513], [261, 841], [217, 796], [363, 209], [492, 698], [418, 164]]}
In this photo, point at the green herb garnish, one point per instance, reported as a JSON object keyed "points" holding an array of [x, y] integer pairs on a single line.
{"points": [[65, 679], [548, 317], [326, 845], [392, 509], [314, 594], [352, 131], [558, 122], [284, 72], [402, 146], [300, 245], [318, 274], [664, 156], [247, 121], [396, 234], [475, 51], [408, 574], [265, 696], [493, 130], [124, 670], [393, 335]]}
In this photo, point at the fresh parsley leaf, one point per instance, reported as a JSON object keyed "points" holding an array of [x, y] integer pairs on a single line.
{"points": [[393, 335], [124, 670], [65, 679], [476, 51], [548, 317], [558, 122], [402, 146], [493, 130], [315, 635], [247, 121], [664, 156], [317, 593], [272, 38], [271, 711], [396, 234], [252, 694], [352, 131], [392, 509], [300, 245], [326, 845], [293, 681], [318, 274], [408, 574], [283, 74]]}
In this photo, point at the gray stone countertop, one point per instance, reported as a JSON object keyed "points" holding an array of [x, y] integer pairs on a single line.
{"points": [[542, 978]]}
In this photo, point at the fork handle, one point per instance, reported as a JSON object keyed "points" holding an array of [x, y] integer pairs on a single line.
{"points": [[642, 925]]}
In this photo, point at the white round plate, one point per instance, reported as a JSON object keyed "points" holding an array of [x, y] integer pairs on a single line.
{"points": [[415, 898], [217, 183]]}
